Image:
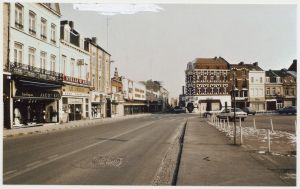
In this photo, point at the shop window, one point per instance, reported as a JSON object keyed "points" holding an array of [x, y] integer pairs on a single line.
{"points": [[19, 16]]}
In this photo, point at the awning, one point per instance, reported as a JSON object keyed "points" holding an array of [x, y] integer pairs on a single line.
{"points": [[28, 83]]}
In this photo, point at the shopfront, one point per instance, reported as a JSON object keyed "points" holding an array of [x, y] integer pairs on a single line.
{"points": [[75, 103], [98, 102], [35, 103]]}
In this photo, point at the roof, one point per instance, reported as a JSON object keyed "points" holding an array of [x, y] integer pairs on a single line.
{"points": [[211, 63], [89, 40], [250, 67], [53, 6], [293, 66]]}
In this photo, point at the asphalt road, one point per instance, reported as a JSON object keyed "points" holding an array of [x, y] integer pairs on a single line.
{"points": [[128, 152]]}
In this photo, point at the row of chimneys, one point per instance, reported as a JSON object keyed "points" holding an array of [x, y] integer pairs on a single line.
{"points": [[71, 24]]}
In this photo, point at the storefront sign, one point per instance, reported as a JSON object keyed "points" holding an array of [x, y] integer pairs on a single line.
{"points": [[75, 89], [37, 94]]}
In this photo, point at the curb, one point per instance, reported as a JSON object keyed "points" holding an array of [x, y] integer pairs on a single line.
{"points": [[58, 127]]}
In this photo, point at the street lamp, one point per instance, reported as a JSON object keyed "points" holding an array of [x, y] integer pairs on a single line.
{"points": [[234, 89]]}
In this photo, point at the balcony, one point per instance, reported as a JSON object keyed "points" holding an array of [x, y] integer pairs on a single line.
{"points": [[53, 41], [76, 80], [32, 32], [43, 37], [19, 25], [34, 72]]}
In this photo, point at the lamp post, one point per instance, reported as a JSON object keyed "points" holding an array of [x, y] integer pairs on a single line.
{"points": [[234, 107]]}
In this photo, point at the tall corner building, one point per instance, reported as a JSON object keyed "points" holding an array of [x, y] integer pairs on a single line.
{"points": [[206, 83]]}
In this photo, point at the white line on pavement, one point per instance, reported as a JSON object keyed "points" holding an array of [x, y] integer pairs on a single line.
{"points": [[9, 172], [72, 152], [33, 163], [51, 157]]}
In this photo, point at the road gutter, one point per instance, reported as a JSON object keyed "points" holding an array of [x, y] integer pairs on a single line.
{"points": [[169, 167]]}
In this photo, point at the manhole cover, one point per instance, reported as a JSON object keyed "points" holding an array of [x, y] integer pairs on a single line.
{"points": [[100, 162]]}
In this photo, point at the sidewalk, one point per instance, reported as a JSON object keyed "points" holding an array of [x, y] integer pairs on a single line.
{"points": [[210, 159], [46, 128]]}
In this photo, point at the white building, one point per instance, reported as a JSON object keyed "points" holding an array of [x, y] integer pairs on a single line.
{"points": [[135, 96], [257, 89], [75, 66], [34, 62]]}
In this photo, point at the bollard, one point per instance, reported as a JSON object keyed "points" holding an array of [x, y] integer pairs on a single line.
{"points": [[272, 128], [269, 140], [254, 125], [295, 126], [241, 132]]}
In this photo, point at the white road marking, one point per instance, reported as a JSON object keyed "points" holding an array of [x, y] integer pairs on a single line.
{"points": [[9, 172], [72, 152], [51, 157], [33, 163]]}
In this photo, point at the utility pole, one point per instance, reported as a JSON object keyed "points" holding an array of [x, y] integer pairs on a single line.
{"points": [[234, 108]]}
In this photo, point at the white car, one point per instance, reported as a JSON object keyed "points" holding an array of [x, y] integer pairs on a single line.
{"points": [[230, 114]]}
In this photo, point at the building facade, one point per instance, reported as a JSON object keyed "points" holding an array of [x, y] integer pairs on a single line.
{"points": [[75, 67], [207, 87], [249, 85], [274, 91], [98, 75], [117, 98], [33, 61]]}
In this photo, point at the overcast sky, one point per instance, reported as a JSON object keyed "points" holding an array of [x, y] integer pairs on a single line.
{"points": [[158, 45]]}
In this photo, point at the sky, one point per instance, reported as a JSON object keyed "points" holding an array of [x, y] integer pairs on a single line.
{"points": [[158, 45]]}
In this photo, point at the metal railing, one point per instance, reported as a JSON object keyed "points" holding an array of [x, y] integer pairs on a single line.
{"points": [[34, 72]]}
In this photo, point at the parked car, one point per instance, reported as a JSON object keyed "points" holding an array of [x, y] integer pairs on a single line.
{"points": [[230, 114], [288, 110], [178, 110], [249, 110]]}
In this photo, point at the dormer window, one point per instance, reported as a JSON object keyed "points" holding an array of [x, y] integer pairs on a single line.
{"points": [[267, 79], [277, 79]]}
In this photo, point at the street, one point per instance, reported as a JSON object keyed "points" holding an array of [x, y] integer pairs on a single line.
{"points": [[126, 152], [144, 151]]}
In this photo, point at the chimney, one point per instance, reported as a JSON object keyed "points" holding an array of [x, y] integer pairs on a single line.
{"points": [[241, 63], [255, 64], [295, 61], [94, 40], [71, 23], [183, 90], [215, 58]]}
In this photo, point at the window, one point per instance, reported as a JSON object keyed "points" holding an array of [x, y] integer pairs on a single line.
{"points": [[273, 91], [260, 79], [64, 64], [53, 33], [32, 18], [252, 79], [79, 71], [72, 67], [93, 80], [19, 16], [268, 91], [52, 63], [31, 57], [277, 79], [287, 91], [43, 29], [267, 80], [292, 92], [43, 60], [18, 53]]}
